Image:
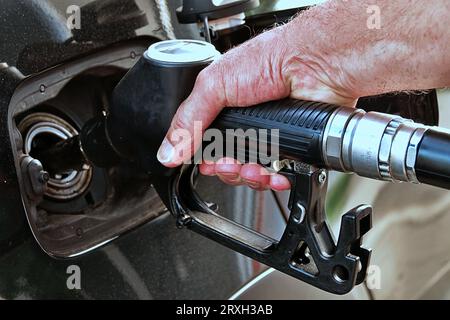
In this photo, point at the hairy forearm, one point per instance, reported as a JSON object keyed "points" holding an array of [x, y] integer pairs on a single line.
{"points": [[341, 40]]}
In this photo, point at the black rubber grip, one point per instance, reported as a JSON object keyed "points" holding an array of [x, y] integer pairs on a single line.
{"points": [[300, 123], [433, 159]]}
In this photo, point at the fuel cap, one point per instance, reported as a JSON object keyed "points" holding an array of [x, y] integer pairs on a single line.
{"points": [[182, 52]]}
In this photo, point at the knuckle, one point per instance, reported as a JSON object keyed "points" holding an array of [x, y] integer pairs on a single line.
{"points": [[180, 122], [205, 78], [211, 83]]}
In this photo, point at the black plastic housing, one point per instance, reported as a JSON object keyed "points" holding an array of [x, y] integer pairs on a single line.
{"points": [[143, 105], [300, 123]]}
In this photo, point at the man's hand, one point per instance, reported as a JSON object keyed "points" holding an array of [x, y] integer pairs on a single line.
{"points": [[263, 69], [326, 54]]}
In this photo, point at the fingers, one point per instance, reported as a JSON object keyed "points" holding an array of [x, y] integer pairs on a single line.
{"points": [[259, 178], [228, 170], [231, 172], [207, 169], [255, 176], [279, 182]]}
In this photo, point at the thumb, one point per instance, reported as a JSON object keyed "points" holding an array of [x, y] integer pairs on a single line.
{"points": [[255, 79], [194, 115]]}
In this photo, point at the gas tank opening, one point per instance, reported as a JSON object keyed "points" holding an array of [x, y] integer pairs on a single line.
{"points": [[42, 130]]}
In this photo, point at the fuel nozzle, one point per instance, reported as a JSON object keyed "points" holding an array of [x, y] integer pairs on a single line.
{"points": [[63, 156], [141, 110], [92, 146]]}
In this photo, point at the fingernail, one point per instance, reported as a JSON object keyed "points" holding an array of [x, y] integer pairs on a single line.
{"points": [[165, 152], [279, 182]]}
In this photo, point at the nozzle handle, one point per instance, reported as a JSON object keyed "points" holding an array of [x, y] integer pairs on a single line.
{"points": [[299, 126]]}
